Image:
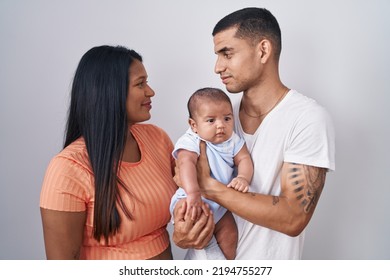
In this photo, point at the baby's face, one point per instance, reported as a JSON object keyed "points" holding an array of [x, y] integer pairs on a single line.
{"points": [[213, 121]]}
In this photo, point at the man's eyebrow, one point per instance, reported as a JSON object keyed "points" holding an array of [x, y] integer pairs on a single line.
{"points": [[223, 50]]}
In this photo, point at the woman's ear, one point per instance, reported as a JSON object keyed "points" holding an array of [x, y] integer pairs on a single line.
{"points": [[192, 124]]}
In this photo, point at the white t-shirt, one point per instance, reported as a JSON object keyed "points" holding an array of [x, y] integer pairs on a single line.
{"points": [[297, 130]]}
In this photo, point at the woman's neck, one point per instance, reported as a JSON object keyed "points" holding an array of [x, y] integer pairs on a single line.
{"points": [[131, 152]]}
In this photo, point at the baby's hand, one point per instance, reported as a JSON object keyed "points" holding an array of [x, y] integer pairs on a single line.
{"points": [[194, 204], [239, 184]]}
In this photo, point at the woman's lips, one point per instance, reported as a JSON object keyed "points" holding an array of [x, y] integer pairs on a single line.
{"points": [[147, 105]]}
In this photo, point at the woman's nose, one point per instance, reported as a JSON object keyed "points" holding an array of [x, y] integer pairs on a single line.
{"points": [[149, 92]]}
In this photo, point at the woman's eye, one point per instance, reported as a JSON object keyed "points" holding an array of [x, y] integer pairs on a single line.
{"points": [[142, 84]]}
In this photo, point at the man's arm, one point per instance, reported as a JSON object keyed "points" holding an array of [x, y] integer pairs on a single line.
{"points": [[289, 213]]}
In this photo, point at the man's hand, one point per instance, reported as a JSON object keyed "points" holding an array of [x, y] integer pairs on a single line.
{"points": [[176, 177], [203, 167], [203, 170], [189, 233]]}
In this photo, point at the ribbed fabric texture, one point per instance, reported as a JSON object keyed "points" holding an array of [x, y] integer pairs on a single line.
{"points": [[69, 186]]}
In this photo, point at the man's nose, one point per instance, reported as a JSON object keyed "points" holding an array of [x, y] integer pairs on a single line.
{"points": [[219, 66]]}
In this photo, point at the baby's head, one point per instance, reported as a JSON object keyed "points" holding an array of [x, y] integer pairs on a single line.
{"points": [[211, 115]]}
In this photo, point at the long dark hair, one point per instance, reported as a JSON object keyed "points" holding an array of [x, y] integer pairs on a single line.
{"points": [[97, 113]]}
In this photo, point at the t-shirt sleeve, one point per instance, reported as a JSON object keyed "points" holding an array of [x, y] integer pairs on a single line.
{"points": [[311, 141], [186, 142], [238, 143], [65, 186]]}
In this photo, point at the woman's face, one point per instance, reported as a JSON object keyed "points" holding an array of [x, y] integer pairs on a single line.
{"points": [[138, 102]]}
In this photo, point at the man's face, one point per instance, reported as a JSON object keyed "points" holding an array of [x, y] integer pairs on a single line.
{"points": [[238, 61]]}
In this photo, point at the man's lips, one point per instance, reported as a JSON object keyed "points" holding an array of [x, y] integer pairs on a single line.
{"points": [[225, 79]]}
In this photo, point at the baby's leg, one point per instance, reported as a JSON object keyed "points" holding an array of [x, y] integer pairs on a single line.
{"points": [[226, 234]]}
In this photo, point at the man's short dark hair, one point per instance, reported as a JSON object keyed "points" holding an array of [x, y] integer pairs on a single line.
{"points": [[254, 24]]}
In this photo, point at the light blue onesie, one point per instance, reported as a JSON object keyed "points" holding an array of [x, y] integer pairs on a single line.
{"points": [[220, 157]]}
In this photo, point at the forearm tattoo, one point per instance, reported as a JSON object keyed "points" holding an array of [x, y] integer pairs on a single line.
{"points": [[308, 183]]}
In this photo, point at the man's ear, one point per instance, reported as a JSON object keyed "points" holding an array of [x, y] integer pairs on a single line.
{"points": [[192, 124], [264, 48]]}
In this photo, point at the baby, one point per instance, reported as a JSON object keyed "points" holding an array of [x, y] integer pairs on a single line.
{"points": [[211, 120]]}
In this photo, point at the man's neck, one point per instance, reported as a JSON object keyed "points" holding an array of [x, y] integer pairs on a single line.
{"points": [[258, 100]]}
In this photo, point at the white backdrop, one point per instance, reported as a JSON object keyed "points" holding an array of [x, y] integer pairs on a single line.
{"points": [[333, 51]]}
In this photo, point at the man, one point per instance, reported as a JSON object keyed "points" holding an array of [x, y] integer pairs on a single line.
{"points": [[290, 138]]}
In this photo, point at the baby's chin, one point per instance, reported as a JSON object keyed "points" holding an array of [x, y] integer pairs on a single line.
{"points": [[219, 139]]}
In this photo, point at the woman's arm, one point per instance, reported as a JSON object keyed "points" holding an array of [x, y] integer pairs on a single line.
{"points": [[63, 234]]}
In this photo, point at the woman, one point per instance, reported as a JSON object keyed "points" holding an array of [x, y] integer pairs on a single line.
{"points": [[106, 195]]}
